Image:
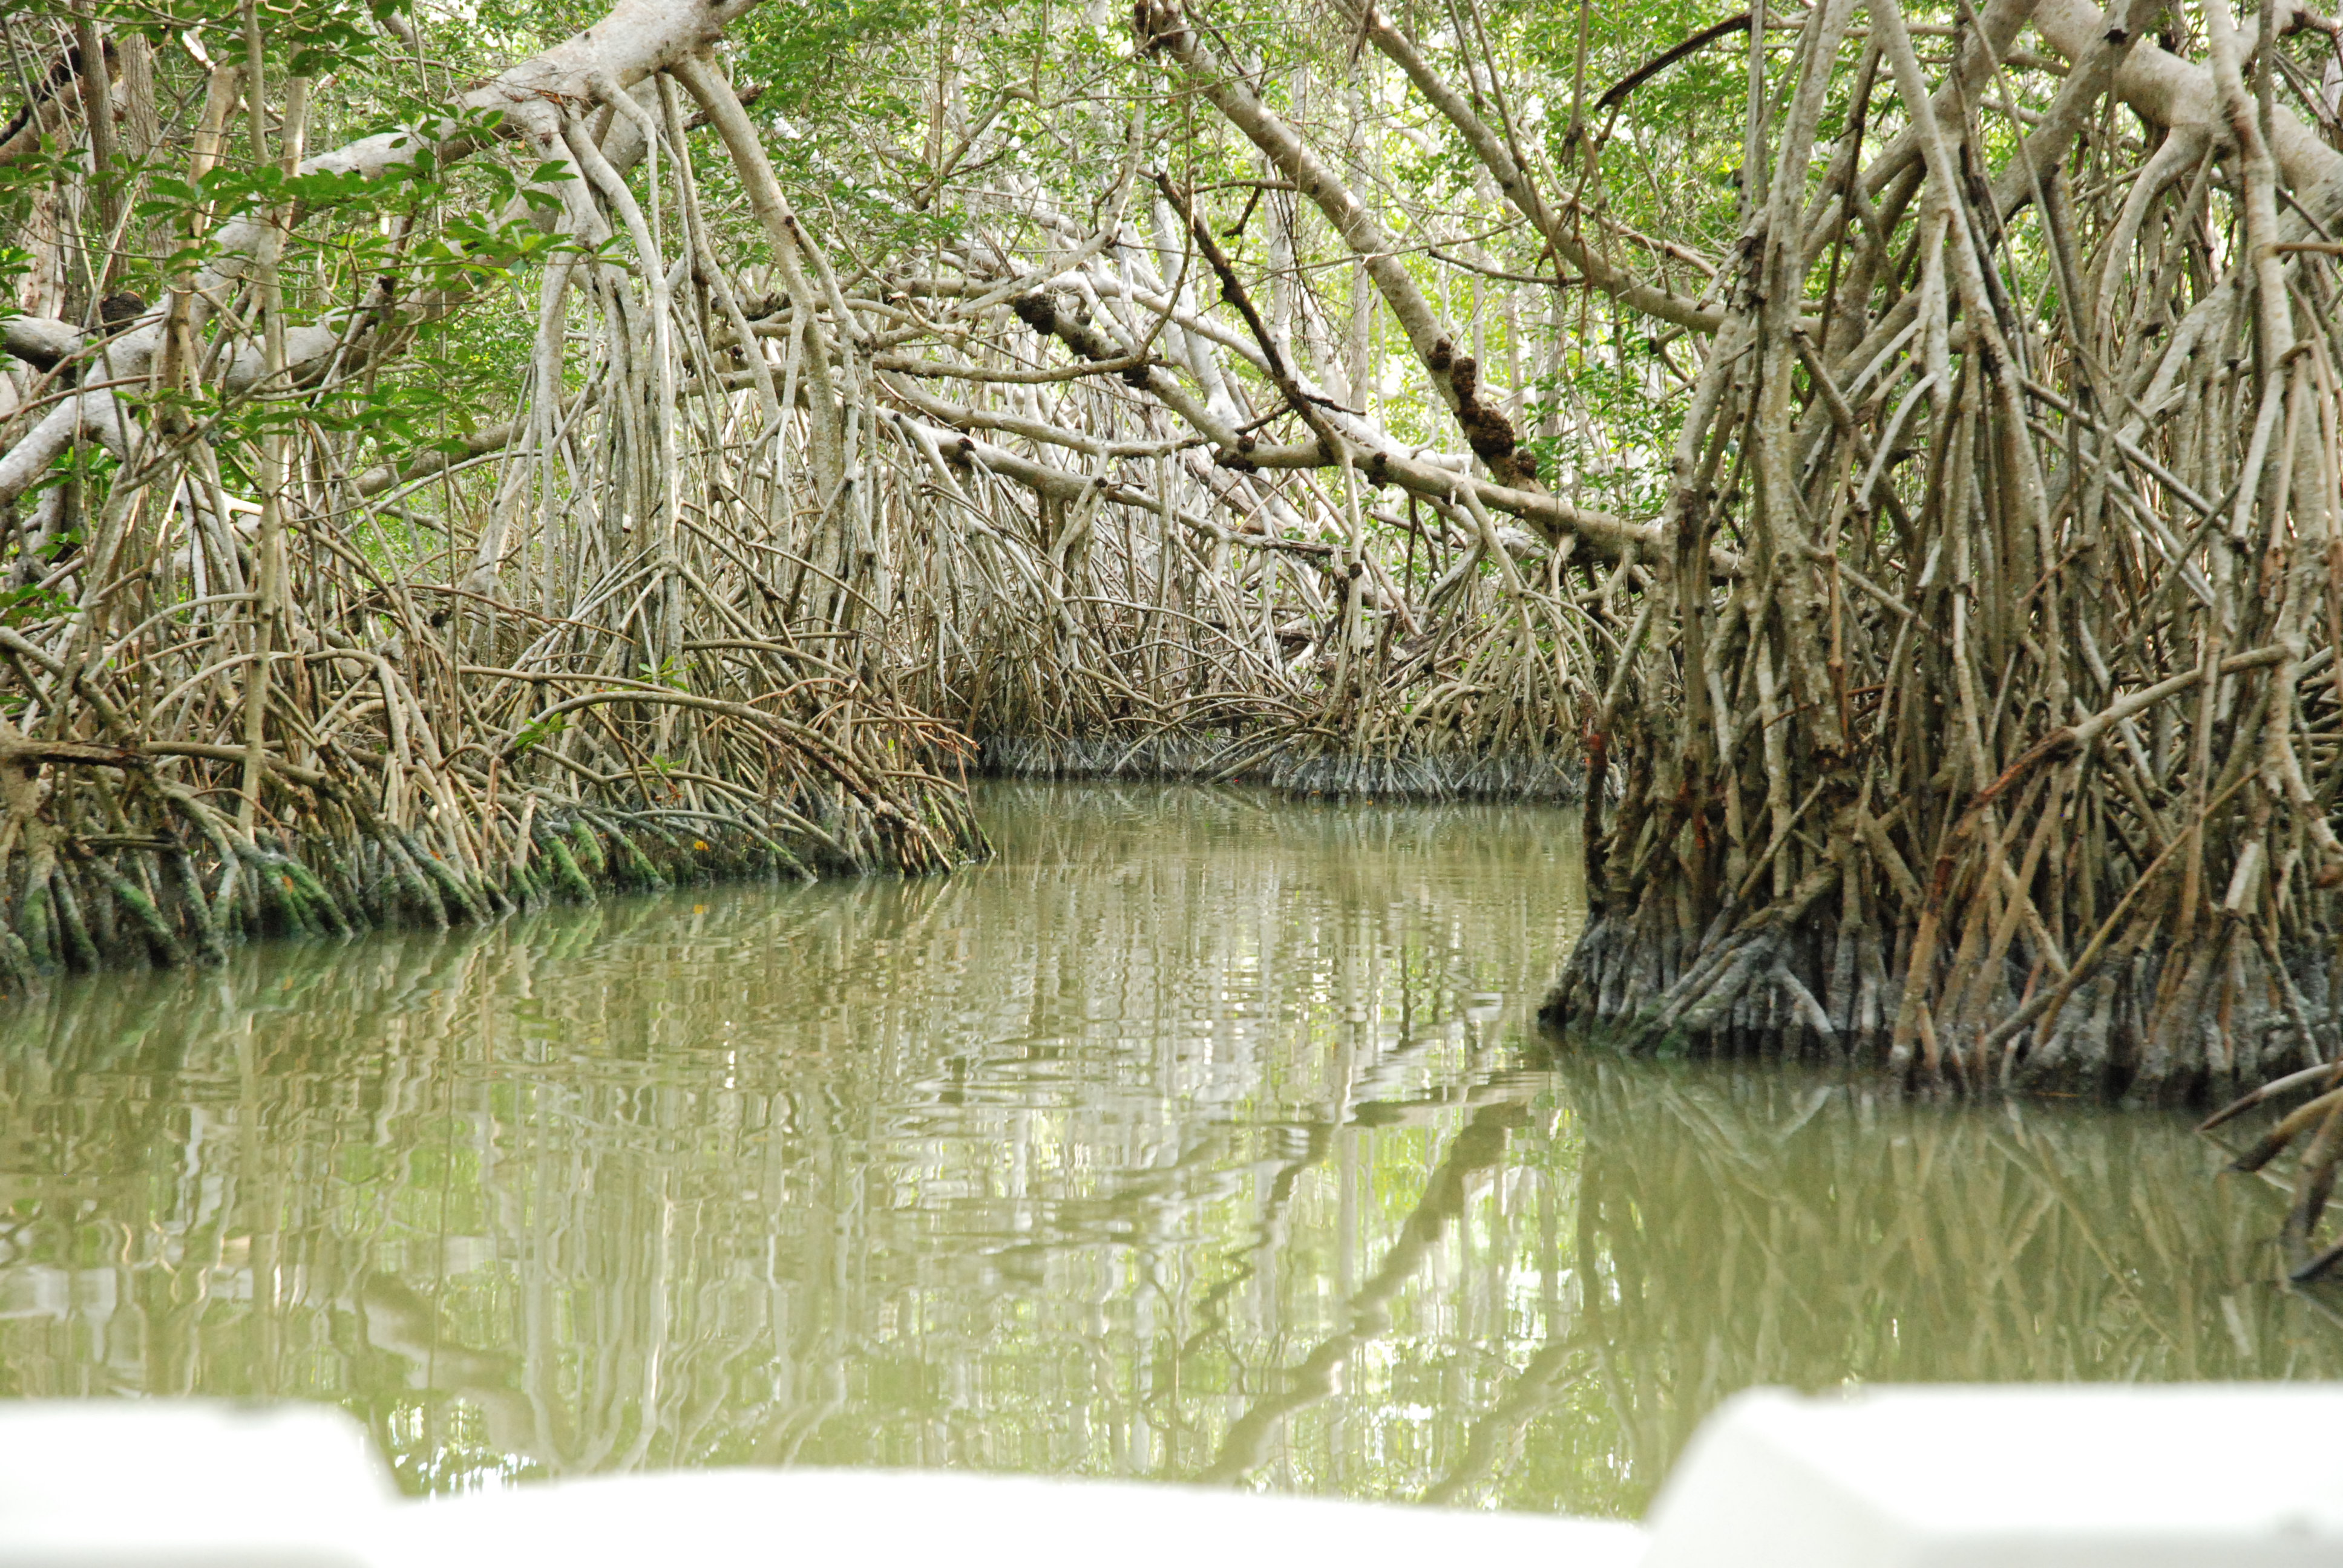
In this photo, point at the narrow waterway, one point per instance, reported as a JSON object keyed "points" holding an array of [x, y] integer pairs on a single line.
{"points": [[1203, 1135]]}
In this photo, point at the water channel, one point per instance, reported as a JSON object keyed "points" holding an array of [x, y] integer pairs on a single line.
{"points": [[1203, 1135]]}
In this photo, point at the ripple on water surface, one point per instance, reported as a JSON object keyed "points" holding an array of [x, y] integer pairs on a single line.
{"points": [[1201, 1136]]}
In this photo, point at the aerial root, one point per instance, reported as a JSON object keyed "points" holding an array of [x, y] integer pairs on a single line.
{"points": [[2155, 1025], [116, 901]]}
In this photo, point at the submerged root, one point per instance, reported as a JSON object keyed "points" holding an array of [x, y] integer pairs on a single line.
{"points": [[1827, 991], [1281, 760], [108, 903]]}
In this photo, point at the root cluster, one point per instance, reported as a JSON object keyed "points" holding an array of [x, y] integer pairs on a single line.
{"points": [[2002, 751]]}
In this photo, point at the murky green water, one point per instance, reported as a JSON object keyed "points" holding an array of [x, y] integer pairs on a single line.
{"points": [[1201, 1136]]}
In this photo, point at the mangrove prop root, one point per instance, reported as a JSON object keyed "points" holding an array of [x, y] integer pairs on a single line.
{"points": [[2005, 757], [295, 902]]}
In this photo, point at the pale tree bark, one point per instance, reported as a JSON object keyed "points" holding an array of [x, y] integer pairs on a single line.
{"points": [[708, 85], [1455, 377], [636, 39], [1519, 189]]}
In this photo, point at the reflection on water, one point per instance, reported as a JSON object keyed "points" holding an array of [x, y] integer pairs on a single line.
{"points": [[1200, 1137]]}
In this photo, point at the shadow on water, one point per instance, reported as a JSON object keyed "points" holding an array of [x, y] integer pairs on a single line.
{"points": [[1201, 1136], [1748, 1226]]}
